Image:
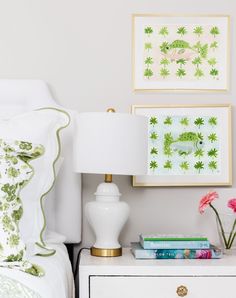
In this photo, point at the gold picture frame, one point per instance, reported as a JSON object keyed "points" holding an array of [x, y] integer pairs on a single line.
{"points": [[180, 52], [188, 145]]}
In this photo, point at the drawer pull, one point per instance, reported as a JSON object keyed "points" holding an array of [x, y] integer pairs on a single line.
{"points": [[182, 291]]}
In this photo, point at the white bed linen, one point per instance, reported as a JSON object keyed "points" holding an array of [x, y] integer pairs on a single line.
{"points": [[58, 281]]}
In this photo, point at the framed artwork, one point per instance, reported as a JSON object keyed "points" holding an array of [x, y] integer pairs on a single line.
{"points": [[180, 52], [187, 145]]}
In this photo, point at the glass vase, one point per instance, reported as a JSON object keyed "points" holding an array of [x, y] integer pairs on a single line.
{"points": [[227, 222]]}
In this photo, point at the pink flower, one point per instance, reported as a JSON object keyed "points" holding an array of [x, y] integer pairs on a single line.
{"points": [[232, 204], [206, 200]]}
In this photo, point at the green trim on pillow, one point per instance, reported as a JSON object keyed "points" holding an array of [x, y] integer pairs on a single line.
{"points": [[42, 245], [51, 251]]}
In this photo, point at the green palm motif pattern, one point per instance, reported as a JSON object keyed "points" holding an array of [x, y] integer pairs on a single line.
{"points": [[15, 173], [184, 145], [11, 288], [181, 52]]}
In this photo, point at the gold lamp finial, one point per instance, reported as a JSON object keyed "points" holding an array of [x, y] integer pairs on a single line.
{"points": [[108, 177], [111, 110]]}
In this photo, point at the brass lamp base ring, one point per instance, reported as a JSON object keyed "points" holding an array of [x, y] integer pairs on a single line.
{"points": [[106, 252]]}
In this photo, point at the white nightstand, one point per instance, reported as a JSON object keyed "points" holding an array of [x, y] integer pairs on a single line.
{"points": [[125, 277]]}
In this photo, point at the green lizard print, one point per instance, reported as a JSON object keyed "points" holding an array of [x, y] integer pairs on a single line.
{"points": [[181, 49], [187, 143], [184, 145], [178, 55]]}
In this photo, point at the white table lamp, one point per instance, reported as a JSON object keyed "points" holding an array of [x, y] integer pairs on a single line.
{"points": [[109, 143]]}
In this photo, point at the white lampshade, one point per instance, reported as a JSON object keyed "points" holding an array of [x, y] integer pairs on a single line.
{"points": [[111, 143]]}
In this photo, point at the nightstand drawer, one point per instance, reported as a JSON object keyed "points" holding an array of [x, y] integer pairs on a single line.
{"points": [[162, 287]]}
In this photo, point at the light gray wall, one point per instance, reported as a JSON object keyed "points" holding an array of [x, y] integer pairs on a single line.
{"points": [[83, 50]]}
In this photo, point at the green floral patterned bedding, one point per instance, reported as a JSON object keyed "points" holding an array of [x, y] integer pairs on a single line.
{"points": [[10, 288], [15, 173]]}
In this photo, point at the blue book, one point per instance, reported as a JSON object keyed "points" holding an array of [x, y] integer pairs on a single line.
{"points": [[140, 253], [174, 244]]}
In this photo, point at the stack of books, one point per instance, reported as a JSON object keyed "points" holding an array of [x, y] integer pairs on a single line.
{"points": [[174, 247]]}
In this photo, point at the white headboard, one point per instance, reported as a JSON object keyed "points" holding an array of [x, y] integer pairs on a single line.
{"points": [[63, 205]]}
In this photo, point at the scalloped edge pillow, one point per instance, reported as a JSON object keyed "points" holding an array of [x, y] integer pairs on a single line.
{"points": [[38, 127]]}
